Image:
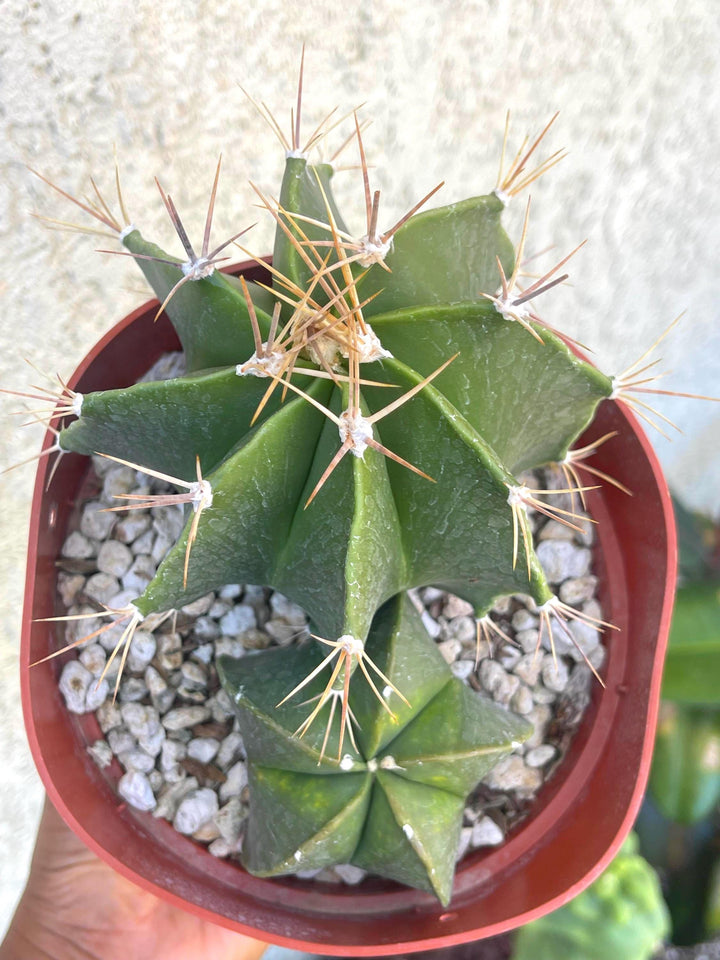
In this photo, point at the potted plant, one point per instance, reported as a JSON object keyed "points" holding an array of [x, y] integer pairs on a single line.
{"points": [[353, 423]]}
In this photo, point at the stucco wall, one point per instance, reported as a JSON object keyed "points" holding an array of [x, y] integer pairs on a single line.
{"points": [[634, 82]]}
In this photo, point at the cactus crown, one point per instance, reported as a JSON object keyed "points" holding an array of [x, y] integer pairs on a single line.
{"points": [[353, 429]]}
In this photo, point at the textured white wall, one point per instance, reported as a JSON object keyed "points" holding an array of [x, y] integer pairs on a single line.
{"points": [[634, 82]]}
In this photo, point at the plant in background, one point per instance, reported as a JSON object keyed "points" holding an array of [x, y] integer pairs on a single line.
{"points": [[621, 916], [678, 826], [355, 428]]}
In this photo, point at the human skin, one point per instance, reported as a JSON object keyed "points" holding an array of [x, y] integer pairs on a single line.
{"points": [[76, 907]]}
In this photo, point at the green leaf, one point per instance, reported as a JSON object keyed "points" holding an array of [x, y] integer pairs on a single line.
{"points": [[255, 495], [692, 665], [210, 315], [685, 774], [411, 834], [324, 828], [529, 401], [445, 255], [455, 740], [165, 425]]}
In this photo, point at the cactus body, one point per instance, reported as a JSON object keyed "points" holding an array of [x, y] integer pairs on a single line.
{"points": [[346, 545], [392, 803]]}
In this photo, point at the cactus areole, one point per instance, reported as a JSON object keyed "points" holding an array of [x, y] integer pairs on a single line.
{"points": [[353, 426]]}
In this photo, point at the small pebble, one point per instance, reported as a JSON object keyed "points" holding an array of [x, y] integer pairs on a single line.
{"points": [[145, 543], [229, 820], [204, 653], [512, 773], [132, 689], [349, 873], [93, 658], [231, 749], [101, 587], [117, 482], [195, 810], [281, 632], [203, 749], [74, 683], [154, 681], [137, 760], [462, 629], [539, 756], [114, 558], [69, 585], [94, 522], [101, 753], [450, 650], [182, 717], [78, 547], [522, 701], [207, 833], [108, 716], [206, 629], [455, 607], [462, 668], [287, 610], [486, 833], [221, 706], [169, 649], [97, 693], [578, 590], [140, 574], [129, 528], [561, 560], [172, 796], [539, 717], [142, 650], [169, 521], [200, 606], [528, 640], [554, 673], [194, 675], [237, 779], [135, 788], [524, 620], [553, 530], [121, 740]]}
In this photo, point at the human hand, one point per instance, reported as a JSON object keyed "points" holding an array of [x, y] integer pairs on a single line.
{"points": [[76, 907]]}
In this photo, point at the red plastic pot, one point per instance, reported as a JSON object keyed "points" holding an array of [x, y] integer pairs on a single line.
{"points": [[580, 817]]}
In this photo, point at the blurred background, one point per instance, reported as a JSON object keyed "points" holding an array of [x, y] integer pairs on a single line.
{"points": [[636, 86]]}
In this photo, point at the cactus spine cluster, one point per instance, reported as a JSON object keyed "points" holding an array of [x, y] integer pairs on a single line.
{"points": [[355, 428]]}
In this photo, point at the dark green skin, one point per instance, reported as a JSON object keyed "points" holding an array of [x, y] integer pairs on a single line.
{"points": [[506, 403], [394, 806]]}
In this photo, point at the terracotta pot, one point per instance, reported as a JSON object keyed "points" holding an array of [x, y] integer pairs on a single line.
{"points": [[580, 817]]}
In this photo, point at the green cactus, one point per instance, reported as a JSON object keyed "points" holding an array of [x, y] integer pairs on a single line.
{"points": [[352, 431], [621, 916], [393, 802]]}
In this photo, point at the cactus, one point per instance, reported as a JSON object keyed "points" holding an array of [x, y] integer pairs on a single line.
{"points": [[622, 916], [355, 429]]}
